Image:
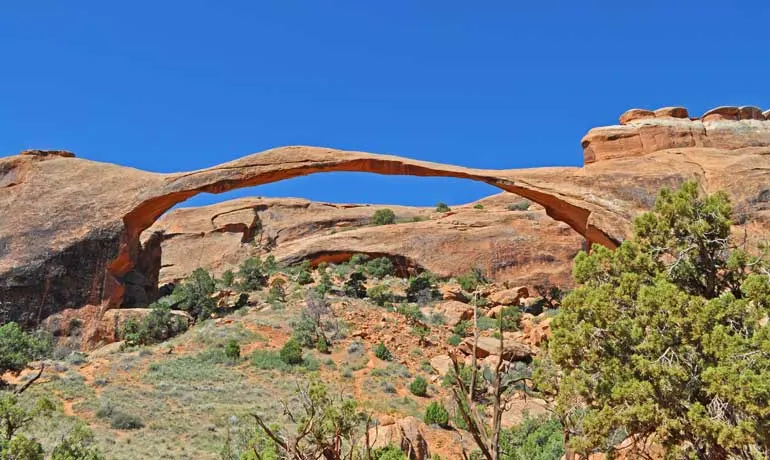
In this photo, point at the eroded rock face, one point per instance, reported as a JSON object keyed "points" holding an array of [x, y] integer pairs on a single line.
{"points": [[521, 246], [70, 231]]}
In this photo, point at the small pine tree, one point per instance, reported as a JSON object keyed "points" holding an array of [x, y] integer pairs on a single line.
{"points": [[382, 352], [291, 353], [233, 350], [419, 386], [436, 414], [384, 216], [322, 345]]}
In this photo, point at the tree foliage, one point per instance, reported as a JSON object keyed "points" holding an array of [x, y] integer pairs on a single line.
{"points": [[194, 294], [667, 337], [384, 216], [17, 348]]}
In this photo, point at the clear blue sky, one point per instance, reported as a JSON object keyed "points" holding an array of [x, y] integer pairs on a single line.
{"points": [[178, 85]]}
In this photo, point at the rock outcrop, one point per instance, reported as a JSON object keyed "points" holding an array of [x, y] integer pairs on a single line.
{"points": [[524, 247], [71, 228]]}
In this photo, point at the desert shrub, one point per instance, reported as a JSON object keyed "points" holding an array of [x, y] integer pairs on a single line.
{"points": [[354, 286], [382, 352], [304, 276], [539, 438], [454, 340], [419, 386], [379, 294], [311, 326], [411, 313], [17, 415], [442, 207], [270, 265], [478, 206], [277, 292], [421, 332], [422, 288], [509, 317], [462, 328], [522, 205], [436, 414], [390, 452], [325, 284], [17, 348], [291, 353], [120, 420], [227, 278], [322, 345], [77, 445], [471, 280], [194, 294], [485, 323], [384, 216], [233, 350], [253, 275], [380, 267], [159, 325]]}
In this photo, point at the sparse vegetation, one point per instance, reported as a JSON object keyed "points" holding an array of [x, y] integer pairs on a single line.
{"points": [[422, 288], [522, 205], [233, 350], [442, 207], [384, 216], [380, 294], [159, 325], [304, 276]]}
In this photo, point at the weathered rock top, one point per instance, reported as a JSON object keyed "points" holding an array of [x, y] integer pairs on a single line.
{"points": [[644, 131]]}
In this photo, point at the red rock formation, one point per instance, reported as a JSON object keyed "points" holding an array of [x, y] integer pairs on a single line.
{"points": [[70, 233]]}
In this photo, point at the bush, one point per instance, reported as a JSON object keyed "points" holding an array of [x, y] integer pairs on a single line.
{"points": [[382, 352], [442, 207], [17, 348], [304, 276], [390, 452], [227, 278], [253, 274], [124, 421], [159, 325], [462, 328], [380, 267], [77, 446], [538, 438], [194, 294], [422, 288], [509, 317], [383, 217], [454, 340], [411, 313], [233, 350], [379, 294], [419, 386], [436, 414], [322, 345], [522, 205], [277, 292], [291, 353], [354, 286], [324, 285], [478, 206], [471, 280]]}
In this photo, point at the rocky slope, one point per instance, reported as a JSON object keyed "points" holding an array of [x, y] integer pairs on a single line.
{"points": [[71, 228]]}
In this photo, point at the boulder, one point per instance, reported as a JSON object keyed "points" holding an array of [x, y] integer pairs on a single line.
{"points": [[508, 296], [672, 112], [635, 114], [512, 350], [408, 433], [441, 364], [452, 292], [515, 410], [453, 311]]}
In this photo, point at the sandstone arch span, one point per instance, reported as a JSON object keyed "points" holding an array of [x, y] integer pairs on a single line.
{"points": [[69, 232]]}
